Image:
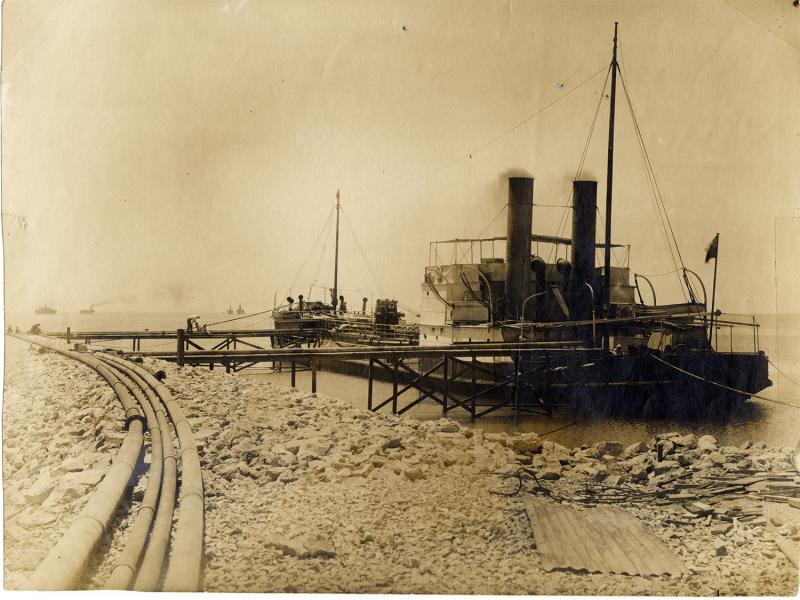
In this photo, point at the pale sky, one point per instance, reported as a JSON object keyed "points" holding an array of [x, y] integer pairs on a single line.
{"points": [[185, 155]]}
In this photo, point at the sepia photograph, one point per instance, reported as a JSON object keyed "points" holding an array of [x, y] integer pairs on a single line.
{"points": [[450, 297]]}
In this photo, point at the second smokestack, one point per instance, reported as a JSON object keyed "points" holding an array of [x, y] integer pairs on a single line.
{"points": [[518, 244], [584, 218]]}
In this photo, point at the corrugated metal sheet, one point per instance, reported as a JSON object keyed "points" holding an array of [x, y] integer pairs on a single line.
{"points": [[603, 540]]}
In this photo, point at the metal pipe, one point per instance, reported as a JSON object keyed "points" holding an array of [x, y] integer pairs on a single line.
{"points": [[488, 289], [149, 573], [183, 572], [702, 286], [64, 564], [594, 316], [637, 276], [128, 559], [524, 304]]}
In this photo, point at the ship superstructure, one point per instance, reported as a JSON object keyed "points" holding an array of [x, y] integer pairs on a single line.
{"points": [[608, 344]]}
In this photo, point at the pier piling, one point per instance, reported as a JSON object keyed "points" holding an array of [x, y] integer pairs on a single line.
{"points": [[313, 376], [181, 346]]}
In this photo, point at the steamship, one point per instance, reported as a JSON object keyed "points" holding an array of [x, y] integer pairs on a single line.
{"points": [[338, 326], [606, 344]]}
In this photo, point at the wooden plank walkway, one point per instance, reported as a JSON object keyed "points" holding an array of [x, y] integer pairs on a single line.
{"points": [[597, 540]]}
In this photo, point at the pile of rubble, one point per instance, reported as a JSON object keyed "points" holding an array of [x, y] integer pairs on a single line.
{"points": [[306, 493]]}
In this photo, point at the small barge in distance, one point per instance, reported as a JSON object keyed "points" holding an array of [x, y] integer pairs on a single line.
{"points": [[337, 325], [45, 310], [88, 311], [613, 350]]}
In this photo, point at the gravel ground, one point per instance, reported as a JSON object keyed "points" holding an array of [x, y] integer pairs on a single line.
{"points": [[306, 494]]}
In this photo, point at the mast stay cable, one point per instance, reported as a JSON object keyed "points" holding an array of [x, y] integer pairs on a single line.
{"points": [[669, 232], [562, 223]]}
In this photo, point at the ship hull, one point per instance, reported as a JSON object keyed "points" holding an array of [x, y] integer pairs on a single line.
{"points": [[694, 384]]}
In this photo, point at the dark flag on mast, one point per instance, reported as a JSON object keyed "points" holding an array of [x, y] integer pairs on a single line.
{"points": [[711, 250]]}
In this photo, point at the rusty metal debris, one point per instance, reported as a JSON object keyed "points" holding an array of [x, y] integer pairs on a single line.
{"points": [[603, 540]]}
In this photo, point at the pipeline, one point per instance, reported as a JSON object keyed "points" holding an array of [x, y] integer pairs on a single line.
{"points": [[158, 498], [64, 564], [183, 572], [136, 387], [152, 564]]}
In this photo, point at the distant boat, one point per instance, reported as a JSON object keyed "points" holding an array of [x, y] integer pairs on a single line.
{"points": [[46, 310], [240, 310], [88, 311], [230, 309], [385, 326]]}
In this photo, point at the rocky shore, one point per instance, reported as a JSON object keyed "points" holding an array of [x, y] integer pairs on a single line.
{"points": [[305, 493]]}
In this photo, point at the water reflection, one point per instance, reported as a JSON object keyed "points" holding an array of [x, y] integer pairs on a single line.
{"points": [[756, 420]]}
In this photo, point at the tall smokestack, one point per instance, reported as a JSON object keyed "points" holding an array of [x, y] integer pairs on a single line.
{"points": [[584, 216], [518, 244]]}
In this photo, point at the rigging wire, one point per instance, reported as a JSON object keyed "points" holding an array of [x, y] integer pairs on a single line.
{"points": [[784, 375], [485, 145], [659, 274], [321, 257], [250, 316], [484, 230], [311, 250], [657, 195], [562, 223], [653, 194], [361, 250]]}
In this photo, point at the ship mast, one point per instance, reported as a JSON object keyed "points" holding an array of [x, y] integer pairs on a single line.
{"points": [[610, 179], [335, 292]]}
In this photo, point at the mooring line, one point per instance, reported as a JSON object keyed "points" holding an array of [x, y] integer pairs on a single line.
{"points": [[721, 385], [782, 374]]}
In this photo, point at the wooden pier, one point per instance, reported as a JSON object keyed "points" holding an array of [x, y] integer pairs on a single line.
{"points": [[227, 338], [478, 378], [465, 364]]}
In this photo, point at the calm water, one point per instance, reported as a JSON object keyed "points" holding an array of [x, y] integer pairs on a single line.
{"points": [[766, 421]]}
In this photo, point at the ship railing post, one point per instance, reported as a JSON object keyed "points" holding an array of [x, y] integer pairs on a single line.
{"points": [[313, 376], [369, 385], [444, 390], [181, 336]]}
